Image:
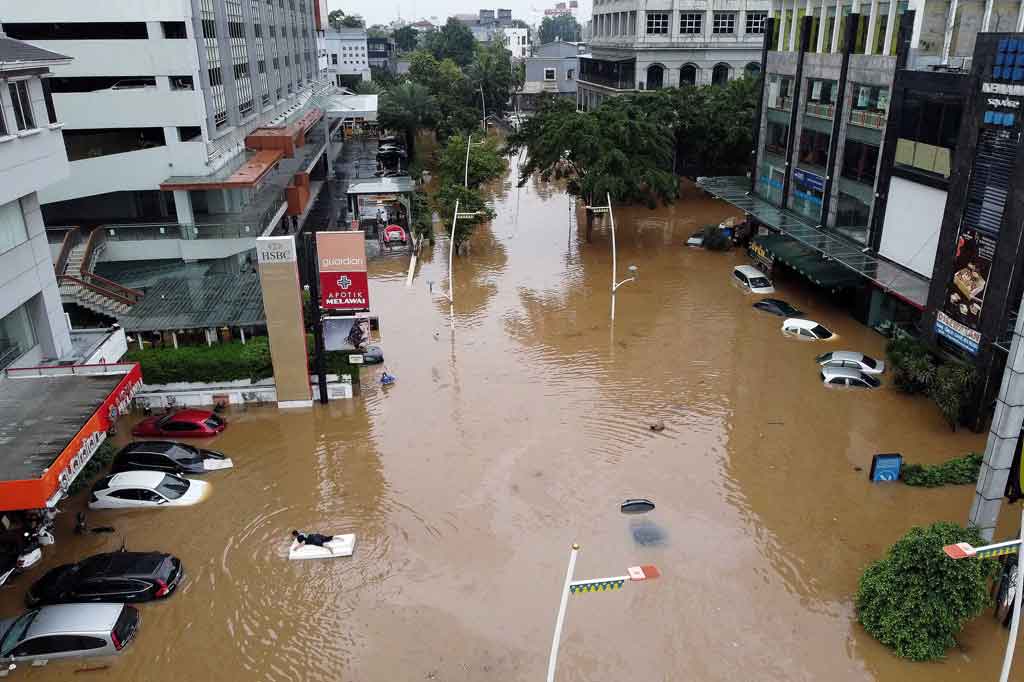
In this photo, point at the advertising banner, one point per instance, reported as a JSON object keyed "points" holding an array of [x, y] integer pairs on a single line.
{"points": [[960, 316], [349, 333], [343, 280]]}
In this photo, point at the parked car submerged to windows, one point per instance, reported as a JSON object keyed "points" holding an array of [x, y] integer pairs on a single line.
{"points": [[67, 631], [752, 279], [164, 455], [778, 307], [181, 424], [837, 377], [139, 489], [853, 360], [808, 330], [123, 577]]}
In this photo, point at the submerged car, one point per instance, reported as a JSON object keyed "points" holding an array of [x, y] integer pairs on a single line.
{"points": [[164, 455], [182, 424], [778, 307], [139, 489], [853, 360], [752, 279], [111, 577], [67, 631], [806, 329], [847, 377]]}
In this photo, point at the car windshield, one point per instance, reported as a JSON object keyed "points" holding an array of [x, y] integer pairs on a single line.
{"points": [[871, 381], [824, 357], [172, 487], [17, 631], [213, 421], [869, 362], [759, 282], [821, 332], [185, 454]]}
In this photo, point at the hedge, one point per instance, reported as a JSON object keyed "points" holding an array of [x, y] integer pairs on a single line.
{"points": [[219, 362]]}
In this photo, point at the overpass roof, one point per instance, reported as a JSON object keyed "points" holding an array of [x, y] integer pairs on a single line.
{"points": [[351, 106], [218, 300]]}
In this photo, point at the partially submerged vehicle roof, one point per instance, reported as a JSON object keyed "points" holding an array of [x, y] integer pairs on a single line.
{"points": [[75, 618]]}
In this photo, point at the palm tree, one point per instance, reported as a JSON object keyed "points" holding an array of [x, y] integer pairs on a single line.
{"points": [[407, 107]]}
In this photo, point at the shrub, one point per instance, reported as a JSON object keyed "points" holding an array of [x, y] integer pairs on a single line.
{"points": [[912, 363], [219, 362], [950, 388], [956, 471], [916, 599]]}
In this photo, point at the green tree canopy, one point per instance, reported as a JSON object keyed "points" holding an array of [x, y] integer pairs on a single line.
{"points": [[454, 41], [491, 69], [916, 599], [485, 161], [406, 39], [564, 27], [334, 18], [457, 102], [352, 21], [407, 107]]}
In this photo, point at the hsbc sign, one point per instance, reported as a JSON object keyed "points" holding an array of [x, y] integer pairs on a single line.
{"points": [[343, 281]]}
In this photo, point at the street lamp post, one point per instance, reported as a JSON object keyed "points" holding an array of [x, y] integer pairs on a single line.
{"points": [[615, 260], [633, 573], [451, 260]]}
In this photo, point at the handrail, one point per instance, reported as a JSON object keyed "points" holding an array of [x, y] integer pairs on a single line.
{"points": [[71, 239], [128, 292], [92, 287], [99, 284], [95, 237]]}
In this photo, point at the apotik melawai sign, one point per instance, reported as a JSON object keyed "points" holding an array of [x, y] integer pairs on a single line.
{"points": [[342, 261]]}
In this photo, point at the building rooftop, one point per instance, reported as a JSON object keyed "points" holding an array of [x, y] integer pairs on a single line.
{"points": [[15, 54], [173, 303], [400, 185], [247, 170], [352, 106], [39, 417]]}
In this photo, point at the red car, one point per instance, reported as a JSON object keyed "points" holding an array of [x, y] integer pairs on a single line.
{"points": [[181, 424]]}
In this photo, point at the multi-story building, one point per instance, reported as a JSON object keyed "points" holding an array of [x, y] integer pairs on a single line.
{"points": [[165, 89], [551, 70], [516, 41], [348, 57], [32, 322], [639, 45], [487, 23], [379, 52]]}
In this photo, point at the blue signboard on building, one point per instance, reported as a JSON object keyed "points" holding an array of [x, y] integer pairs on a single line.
{"points": [[808, 180], [886, 467]]}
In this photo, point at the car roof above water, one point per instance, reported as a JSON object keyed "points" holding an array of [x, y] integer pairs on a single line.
{"points": [[841, 373], [75, 618], [749, 271], [136, 479]]}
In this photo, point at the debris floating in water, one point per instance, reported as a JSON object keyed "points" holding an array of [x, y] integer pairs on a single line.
{"points": [[637, 506], [387, 378], [657, 426]]}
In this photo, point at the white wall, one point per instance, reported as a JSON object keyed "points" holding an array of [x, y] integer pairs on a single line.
{"points": [[124, 57], [30, 160], [17, 11], [147, 107], [913, 218], [178, 249]]}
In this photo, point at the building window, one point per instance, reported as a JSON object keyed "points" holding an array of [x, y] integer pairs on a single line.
{"points": [[777, 138], [928, 129], [780, 92], [860, 162], [691, 22], [752, 70], [870, 106], [813, 148], [13, 230], [181, 83], [22, 104], [334, 58], [174, 30], [688, 74], [756, 21], [569, 75], [51, 112], [657, 23], [549, 74], [16, 335], [720, 74], [724, 22], [821, 98]]}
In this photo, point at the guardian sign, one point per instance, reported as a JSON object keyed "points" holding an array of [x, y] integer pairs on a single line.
{"points": [[341, 258]]}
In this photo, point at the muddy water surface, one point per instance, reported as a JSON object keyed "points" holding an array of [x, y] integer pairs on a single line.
{"points": [[467, 481]]}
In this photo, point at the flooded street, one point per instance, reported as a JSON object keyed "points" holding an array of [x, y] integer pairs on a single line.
{"points": [[467, 481]]}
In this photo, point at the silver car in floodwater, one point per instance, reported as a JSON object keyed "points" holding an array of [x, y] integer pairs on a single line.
{"points": [[852, 359], [66, 631]]}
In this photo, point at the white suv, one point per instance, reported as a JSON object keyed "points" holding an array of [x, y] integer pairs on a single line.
{"points": [[752, 279]]}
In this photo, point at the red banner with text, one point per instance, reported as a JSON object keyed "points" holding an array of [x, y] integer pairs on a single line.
{"points": [[343, 281]]}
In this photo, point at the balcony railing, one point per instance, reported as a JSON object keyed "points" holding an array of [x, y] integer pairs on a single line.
{"points": [[820, 110], [868, 119], [782, 103]]}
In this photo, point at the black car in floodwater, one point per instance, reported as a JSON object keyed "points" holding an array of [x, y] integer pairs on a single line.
{"points": [[168, 456], [778, 307], [123, 577]]}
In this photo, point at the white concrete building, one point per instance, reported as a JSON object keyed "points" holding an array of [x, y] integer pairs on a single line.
{"points": [[348, 61], [161, 88], [645, 45], [32, 322], [516, 41]]}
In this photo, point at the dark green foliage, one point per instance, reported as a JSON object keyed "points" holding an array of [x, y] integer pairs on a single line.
{"points": [[916, 599], [485, 161], [406, 39], [564, 27], [911, 363], [407, 107], [950, 388], [915, 369], [454, 41], [384, 78], [491, 70], [104, 455], [956, 471], [219, 362], [423, 224], [470, 200], [367, 88], [715, 239]]}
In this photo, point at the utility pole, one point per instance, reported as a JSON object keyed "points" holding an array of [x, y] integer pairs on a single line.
{"points": [[1002, 438]]}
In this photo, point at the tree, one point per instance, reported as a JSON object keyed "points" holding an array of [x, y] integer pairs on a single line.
{"points": [[406, 39], [485, 161], [457, 102], [916, 599], [367, 88], [471, 200], [491, 68], [563, 27], [352, 21], [407, 107], [334, 18], [454, 41], [377, 31], [519, 23]]}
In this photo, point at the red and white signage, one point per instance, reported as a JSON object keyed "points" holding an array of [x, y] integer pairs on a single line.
{"points": [[343, 280]]}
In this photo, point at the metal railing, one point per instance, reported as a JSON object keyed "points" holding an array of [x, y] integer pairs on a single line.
{"points": [[72, 237], [70, 370]]}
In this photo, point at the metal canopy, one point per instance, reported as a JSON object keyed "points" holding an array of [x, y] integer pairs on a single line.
{"points": [[350, 106], [233, 300], [908, 286], [402, 184]]}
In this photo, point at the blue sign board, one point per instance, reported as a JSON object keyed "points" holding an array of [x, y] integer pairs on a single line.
{"points": [[886, 467], [808, 180]]}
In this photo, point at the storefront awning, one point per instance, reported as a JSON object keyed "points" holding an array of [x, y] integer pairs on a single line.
{"points": [[900, 282], [52, 420], [809, 263]]}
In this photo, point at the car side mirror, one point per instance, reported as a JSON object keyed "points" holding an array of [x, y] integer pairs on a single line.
{"points": [[161, 501]]}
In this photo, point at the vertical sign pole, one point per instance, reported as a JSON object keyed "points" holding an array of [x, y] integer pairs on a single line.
{"points": [[552, 661], [312, 262]]}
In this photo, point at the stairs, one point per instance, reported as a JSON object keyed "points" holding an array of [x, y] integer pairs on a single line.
{"points": [[80, 286]]}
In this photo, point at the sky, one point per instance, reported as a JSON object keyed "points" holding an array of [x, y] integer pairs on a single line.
{"points": [[385, 11]]}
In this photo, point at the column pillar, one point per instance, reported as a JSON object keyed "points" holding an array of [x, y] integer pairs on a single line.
{"points": [[822, 25], [835, 26], [794, 28], [327, 149], [987, 17], [1020, 18], [890, 26], [869, 42], [947, 39], [183, 207], [782, 25]]}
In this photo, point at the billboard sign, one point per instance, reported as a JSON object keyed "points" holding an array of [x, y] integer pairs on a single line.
{"points": [[343, 280], [960, 316], [350, 333]]}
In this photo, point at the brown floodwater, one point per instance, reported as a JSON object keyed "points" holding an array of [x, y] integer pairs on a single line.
{"points": [[499, 446]]}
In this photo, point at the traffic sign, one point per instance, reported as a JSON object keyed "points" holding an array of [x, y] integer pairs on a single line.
{"points": [[355, 359]]}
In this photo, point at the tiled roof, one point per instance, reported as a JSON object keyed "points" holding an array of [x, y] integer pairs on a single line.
{"points": [[232, 300], [13, 52]]}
